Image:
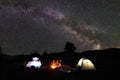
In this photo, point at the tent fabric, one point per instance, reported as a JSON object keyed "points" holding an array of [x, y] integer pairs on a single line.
{"points": [[36, 63], [86, 64]]}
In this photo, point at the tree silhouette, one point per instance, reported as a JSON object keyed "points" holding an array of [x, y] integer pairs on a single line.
{"points": [[35, 54], [69, 47], [45, 53], [1, 50]]}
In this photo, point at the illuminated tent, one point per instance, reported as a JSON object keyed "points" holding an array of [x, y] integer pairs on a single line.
{"points": [[36, 63], [85, 64]]}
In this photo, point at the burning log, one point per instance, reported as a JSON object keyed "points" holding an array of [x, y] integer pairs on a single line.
{"points": [[55, 64]]}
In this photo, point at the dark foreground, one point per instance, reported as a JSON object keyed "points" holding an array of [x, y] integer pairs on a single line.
{"points": [[36, 74]]}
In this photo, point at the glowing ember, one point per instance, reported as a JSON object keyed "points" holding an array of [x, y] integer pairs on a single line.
{"points": [[55, 64]]}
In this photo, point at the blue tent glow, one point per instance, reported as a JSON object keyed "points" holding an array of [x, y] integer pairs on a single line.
{"points": [[35, 62]]}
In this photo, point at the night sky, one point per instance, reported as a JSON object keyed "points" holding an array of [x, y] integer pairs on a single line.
{"points": [[38, 25]]}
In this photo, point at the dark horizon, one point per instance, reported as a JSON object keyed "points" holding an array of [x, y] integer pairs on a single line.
{"points": [[63, 51]]}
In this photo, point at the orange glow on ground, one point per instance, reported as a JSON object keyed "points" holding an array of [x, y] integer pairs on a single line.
{"points": [[55, 64]]}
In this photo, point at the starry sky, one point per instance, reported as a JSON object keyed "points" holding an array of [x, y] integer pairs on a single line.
{"points": [[38, 25]]}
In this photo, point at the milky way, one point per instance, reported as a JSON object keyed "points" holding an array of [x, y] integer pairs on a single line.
{"points": [[38, 25]]}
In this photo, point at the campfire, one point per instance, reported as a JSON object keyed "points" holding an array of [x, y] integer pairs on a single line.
{"points": [[55, 64]]}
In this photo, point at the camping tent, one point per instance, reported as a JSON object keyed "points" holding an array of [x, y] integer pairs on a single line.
{"points": [[85, 64], [36, 63]]}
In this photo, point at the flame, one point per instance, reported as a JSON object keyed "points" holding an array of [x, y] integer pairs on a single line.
{"points": [[55, 64]]}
